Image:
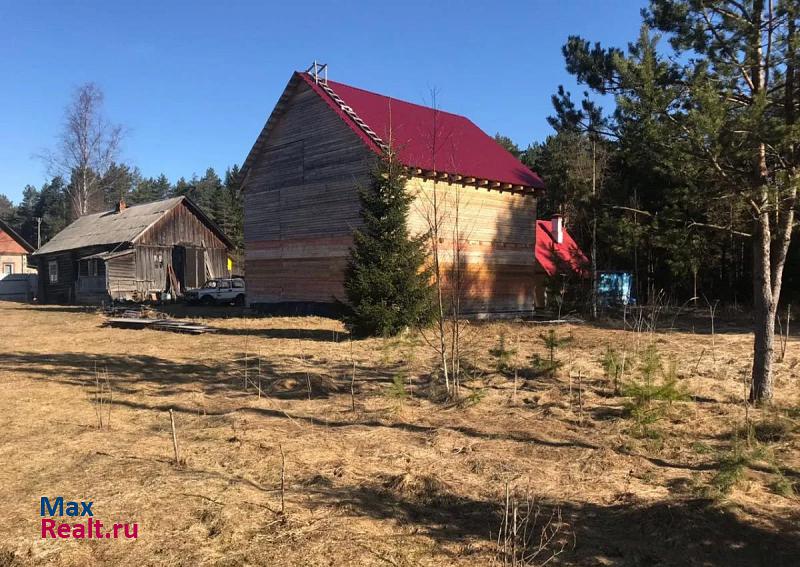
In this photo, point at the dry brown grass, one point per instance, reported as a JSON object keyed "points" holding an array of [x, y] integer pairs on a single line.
{"points": [[411, 483]]}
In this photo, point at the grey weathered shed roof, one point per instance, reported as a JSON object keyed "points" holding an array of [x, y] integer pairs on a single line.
{"points": [[110, 227]]}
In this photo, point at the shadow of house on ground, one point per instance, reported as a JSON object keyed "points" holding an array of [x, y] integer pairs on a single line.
{"points": [[129, 373]]}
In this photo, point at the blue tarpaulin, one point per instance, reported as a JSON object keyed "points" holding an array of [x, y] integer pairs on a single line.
{"points": [[615, 287]]}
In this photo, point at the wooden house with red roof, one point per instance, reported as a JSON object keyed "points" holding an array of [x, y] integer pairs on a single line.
{"points": [[300, 182], [14, 252]]}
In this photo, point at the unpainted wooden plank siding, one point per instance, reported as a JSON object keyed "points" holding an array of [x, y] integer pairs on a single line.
{"points": [[301, 204], [150, 267], [121, 276], [180, 226], [496, 241]]}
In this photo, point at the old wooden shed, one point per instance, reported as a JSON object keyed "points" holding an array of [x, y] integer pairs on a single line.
{"points": [[131, 252], [301, 203]]}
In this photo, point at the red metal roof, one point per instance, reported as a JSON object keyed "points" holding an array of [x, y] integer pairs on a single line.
{"points": [[11, 242], [557, 258], [461, 147]]}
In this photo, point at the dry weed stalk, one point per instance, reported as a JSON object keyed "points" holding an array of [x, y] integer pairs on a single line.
{"points": [[712, 312], [283, 480], [175, 439], [246, 337], [746, 382], [259, 374], [784, 336], [529, 537], [516, 369], [352, 379], [102, 398]]}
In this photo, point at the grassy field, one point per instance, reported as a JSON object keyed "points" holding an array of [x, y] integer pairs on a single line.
{"points": [[402, 478]]}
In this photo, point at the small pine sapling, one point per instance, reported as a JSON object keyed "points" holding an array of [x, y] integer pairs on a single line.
{"points": [[613, 363], [657, 384], [397, 390], [552, 343], [503, 356]]}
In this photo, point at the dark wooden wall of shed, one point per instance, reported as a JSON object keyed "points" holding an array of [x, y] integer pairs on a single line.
{"points": [[63, 291], [301, 204]]}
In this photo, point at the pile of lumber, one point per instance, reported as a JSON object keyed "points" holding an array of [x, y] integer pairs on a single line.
{"points": [[136, 319]]}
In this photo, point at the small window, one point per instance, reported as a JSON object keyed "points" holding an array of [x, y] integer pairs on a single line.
{"points": [[238, 284], [91, 268], [8, 269], [52, 271]]}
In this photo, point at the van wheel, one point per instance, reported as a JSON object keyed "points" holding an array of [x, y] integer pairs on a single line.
{"points": [[239, 300], [207, 300]]}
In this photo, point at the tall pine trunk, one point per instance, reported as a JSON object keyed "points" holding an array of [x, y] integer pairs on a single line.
{"points": [[764, 305]]}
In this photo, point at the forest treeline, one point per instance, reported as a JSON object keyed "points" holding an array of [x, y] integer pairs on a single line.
{"points": [[650, 220]]}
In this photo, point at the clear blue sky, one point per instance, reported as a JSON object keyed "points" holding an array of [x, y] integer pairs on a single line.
{"points": [[193, 82]]}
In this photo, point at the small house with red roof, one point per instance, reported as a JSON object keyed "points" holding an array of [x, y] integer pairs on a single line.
{"points": [[557, 253], [14, 252], [319, 145]]}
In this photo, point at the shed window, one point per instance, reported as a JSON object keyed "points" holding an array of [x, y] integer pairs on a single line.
{"points": [[8, 269], [52, 271], [91, 268]]}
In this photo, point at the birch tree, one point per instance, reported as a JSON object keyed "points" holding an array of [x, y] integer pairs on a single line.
{"points": [[87, 150]]}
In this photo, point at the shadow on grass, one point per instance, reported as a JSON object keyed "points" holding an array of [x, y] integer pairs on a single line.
{"points": [[330, 422], [675, 533], [317, 335], [128, 373], [45, 308]]}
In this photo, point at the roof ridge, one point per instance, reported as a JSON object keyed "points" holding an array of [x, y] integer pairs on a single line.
{"points": [[129, 207]]}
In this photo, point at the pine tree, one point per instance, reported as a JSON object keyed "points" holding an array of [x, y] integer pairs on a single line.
{"points": [[722, 112], [234, 214], [54, 207], [7, 208], [386, 282], [150, 189]]}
